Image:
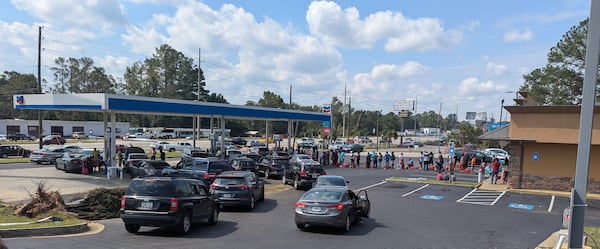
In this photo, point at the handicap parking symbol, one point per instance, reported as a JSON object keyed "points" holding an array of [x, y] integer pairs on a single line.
{"points": [[432, 197]]}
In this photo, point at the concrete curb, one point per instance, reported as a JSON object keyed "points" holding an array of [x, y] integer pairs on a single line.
{"points": [[44, 231]]}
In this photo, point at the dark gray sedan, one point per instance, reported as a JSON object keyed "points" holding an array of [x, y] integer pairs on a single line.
{"points": [[335, 206], [70, 162]]}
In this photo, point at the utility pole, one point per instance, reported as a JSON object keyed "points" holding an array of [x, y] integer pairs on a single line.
{"points": [[344, 114], [415, 118], [40, 130], [349, 116]]}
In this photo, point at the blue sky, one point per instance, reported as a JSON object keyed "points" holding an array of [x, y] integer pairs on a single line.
{"points": [[467, 55]]}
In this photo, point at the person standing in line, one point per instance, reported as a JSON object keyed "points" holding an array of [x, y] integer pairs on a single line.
{"points": [[374, 159], [431, 158], [358, 159], [426, 161], [368, 158], [153, 153], [393, 160], [120, 157], [95, 155], [495, 169], [421, 159], [440, 162], [380, 160], [352, 158], [162, 154], [387, 160]]}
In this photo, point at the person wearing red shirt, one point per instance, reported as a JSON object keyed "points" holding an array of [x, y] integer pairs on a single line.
{"points": [[495, 169]]}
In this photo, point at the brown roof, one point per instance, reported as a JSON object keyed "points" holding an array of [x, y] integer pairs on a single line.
{"points": [[513, 109]]}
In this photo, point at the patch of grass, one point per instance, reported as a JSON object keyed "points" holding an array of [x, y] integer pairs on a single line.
{"points": [[14, 160], [67, 219], [422, 180], [593, 239]]}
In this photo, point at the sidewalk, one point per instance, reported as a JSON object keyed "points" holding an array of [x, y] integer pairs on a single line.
{"points": [[486, 185]]}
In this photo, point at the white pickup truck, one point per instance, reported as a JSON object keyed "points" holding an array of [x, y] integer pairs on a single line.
{"points": [[166, 146], [337, 145]]}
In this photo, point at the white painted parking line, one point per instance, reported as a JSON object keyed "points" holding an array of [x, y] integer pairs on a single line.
{"points": [[482, 197], [551, 203], [411, 192], [370, 186]]}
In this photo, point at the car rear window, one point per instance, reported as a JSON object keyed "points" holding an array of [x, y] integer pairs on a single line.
{"points": [[331, 181], [150, 187], [218, 167], [133, 156], [229, 181], [160, 165], [321, 195]]}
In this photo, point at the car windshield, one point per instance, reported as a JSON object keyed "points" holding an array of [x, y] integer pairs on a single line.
{"points": [[152, 187], [304, 157], [321, 195], [229, 181]]}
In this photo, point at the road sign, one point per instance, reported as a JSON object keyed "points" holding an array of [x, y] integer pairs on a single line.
{"points": [[326, 131], [326, 124]]}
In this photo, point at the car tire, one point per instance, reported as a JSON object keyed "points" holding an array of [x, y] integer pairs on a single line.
{"points": [[171, 150], [251, 203], [300, 226], [185, 224], [38, 162], [283, 179], [132, 228], [296, 183], [262, 195], [4, 155], [214, 218], [347, 224]]}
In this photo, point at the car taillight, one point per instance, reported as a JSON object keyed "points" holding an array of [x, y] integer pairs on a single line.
{"points": [[123, 199], [174, 204], [210, 175], [339, 206], [300, 204], [213, 186], [244, 187], [303, 173], [323, 172]]}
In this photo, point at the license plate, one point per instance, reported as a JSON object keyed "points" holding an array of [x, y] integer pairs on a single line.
{"points": [[316, 209], [227, 195], [146, 205]]}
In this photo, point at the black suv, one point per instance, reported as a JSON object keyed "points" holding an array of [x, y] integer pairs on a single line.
{"points": [[303, 174], [245, 164], [13, 150], [19, 136], [167, 202], [238, 188], [273, 166], [205, 169]]}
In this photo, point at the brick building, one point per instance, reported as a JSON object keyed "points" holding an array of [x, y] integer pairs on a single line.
{"points": [[542, 141]]}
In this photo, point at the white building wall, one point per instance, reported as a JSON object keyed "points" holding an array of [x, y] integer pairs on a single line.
{"points": [[96, 127]]}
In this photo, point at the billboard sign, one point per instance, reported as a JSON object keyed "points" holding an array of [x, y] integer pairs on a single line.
{"points": [[404, 105]]}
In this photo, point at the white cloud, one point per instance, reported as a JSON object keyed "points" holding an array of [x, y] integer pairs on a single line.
{"points": [[97, 14], [242, 57], [390, 79], [344, 28], [496, 69], [518, 36], [472, 87]]}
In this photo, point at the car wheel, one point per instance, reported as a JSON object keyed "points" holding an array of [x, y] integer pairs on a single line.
{"points": [[300, 226], [4, 155], [215, 216], [283, 180], [296, 183], [56, 165], [251, 203], [38, 162], [347, 224], [171, 150], [262, 195], [132, 228], [185, 224]]}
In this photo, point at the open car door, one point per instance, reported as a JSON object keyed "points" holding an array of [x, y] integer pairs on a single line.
{"points": [[363, 204]]}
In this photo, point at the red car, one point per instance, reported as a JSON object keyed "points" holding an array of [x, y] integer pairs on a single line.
{"points": [[53, 139]]}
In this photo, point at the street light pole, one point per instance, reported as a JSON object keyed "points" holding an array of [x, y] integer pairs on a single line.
{"points": [[377, 133]]}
